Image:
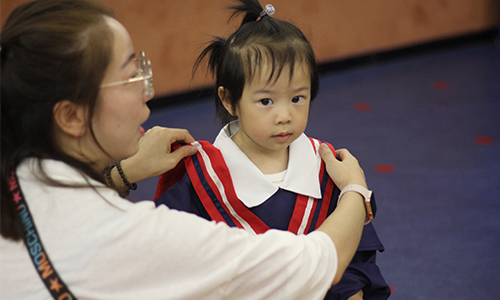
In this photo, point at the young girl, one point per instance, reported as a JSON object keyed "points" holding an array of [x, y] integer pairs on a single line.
{"points": [[262, 171]]}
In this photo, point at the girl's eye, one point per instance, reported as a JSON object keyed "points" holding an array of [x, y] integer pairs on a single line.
{"points": [[266, 102], [298, 99]]}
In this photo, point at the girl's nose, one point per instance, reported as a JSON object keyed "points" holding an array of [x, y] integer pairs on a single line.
{"points": [[283, 114]]}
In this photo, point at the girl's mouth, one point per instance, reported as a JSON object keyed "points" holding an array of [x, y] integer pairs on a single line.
{"points": [[282, 137]]}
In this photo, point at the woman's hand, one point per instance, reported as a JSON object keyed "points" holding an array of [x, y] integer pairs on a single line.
{"points": [[155, 155], [344, 172]]}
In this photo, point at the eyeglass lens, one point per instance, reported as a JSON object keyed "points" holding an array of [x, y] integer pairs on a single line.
{"points": [[146, 70]]}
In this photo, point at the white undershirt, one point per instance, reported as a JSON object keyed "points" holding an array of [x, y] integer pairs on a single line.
{"points": [[276, 178]]}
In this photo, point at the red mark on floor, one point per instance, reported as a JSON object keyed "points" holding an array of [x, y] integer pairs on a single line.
{"points": [[484, 140], [441, 85], [363, 106], [384, 168]]}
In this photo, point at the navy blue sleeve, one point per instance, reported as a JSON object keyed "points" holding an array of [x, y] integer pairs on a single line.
{"points": [[182, 196], [363, 272]]}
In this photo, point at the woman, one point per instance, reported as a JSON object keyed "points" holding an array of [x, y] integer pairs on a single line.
{"points": [[73, 101]]}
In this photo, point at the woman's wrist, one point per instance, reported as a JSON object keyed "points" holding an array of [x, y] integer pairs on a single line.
{"points": [[130, 186], [365, 193], [117, 179]]}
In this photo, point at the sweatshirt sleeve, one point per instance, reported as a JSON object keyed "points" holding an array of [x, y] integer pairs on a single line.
{"points": [[168, 254]]}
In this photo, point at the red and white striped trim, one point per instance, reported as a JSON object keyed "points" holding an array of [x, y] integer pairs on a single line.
{"points": [[220, 186]]}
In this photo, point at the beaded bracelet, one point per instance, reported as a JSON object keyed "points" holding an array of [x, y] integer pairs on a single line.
{"points": [[130, 186], [107, 175], [110, 183]]}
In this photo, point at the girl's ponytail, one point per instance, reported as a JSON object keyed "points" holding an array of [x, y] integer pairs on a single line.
{"points": [[251, 9], [215, 50]]}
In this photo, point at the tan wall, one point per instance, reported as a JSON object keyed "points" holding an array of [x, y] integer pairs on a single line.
{"points": [[173, 32]]}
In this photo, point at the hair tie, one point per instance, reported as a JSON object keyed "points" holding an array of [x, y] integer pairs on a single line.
{"points": [[269, 10]]}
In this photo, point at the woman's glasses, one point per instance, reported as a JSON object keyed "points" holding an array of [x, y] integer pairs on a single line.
{"points": [[145, 73]]}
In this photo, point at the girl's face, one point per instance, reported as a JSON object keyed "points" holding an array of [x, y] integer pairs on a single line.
{"points": [[272, 114], [121, 109]]}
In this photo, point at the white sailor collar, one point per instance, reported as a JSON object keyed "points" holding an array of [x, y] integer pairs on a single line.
{"points": [[251, 185]]}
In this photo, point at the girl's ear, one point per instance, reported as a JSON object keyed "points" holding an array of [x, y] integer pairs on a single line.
{"points": [[224, 98], [71, 118]]}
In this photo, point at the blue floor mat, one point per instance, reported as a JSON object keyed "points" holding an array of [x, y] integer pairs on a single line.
{"points": [[426, 129]]}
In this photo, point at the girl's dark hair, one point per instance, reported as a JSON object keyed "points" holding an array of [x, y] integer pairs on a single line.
{"points": [[235, 60], [51, 50]]}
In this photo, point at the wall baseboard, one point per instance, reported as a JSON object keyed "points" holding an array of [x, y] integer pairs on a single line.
{"points": [[490, 35]]}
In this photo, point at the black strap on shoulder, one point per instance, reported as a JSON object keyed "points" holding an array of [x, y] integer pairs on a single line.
{"points": [[39, 256]]}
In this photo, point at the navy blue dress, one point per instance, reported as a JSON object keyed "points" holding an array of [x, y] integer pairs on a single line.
{"points": [[361, 274]]}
